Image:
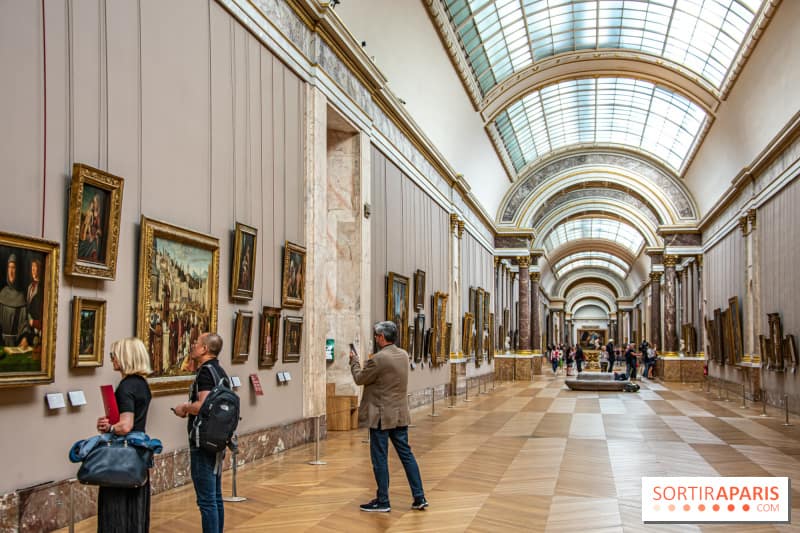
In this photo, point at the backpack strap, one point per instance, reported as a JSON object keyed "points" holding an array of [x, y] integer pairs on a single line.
{"points": [[217, 380]]}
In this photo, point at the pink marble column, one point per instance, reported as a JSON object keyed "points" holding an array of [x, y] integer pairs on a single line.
{"points": [[536, 333], [524, 305], [655, 309], [670, 288]]}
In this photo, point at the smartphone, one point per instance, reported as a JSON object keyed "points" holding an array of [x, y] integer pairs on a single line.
{"points": [[353, 349], [173, 410]]}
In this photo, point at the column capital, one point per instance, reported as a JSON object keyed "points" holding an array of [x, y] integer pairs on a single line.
{"points": [[743, 224], [496, 261], [535, 276], [655, 276], [524, 261], [699, 259], [670, 261], [535, 258], [513, 276], [751, 218], [460, 228], [453, 222]]}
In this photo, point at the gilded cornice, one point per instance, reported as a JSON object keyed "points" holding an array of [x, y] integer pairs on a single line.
{"points": [[460, 229], [670, 261]]}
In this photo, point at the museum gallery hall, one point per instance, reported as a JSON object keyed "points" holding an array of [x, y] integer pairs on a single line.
{"points": [[522, 187]]}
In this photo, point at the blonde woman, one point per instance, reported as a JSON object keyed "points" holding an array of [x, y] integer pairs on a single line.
{"points": [[122, 509]]}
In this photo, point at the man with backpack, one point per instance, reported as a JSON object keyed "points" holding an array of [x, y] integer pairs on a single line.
{"points": [[213, 411]]}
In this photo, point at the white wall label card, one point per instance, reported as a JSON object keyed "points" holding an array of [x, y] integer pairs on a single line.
{"points": [[287, 376], [235, 381], [55, 400], [76, 398]]}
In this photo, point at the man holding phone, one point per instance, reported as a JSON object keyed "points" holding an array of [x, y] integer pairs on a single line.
{"points": [[384, 407]]}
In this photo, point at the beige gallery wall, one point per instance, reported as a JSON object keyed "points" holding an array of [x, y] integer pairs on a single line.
{"points": [[204, 124]]}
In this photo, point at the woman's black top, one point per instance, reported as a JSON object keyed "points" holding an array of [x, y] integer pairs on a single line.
{"points": [[133, 396]]}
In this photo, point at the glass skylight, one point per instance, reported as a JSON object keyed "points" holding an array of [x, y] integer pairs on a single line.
{"points": [[589, 263], [595, 228], [619, 111], [600, 256], [502, 37]]}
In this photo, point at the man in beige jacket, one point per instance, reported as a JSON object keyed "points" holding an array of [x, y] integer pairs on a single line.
{"points": [[384, 407]]}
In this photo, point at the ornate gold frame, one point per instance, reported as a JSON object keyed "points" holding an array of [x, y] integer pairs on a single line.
{"points": [[491, 346], [402, 328], [419, 289], [239, 353], [265, 361], [78, 360], [736, 332], [238, 293], [439, 324], [149, 230], [288, 323], [45, 374], [286, 300], [73, 265], [466, 333]]}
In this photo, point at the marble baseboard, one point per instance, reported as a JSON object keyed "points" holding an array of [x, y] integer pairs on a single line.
{"points": [[537, 365], [504, 369], [674, 369], [523, 368], [49, 506]]}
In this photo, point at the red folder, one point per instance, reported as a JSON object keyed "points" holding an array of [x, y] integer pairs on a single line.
{"points": [[110, 403]]}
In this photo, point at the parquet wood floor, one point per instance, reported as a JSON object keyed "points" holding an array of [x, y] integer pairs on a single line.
{"points": [[530, 456]]}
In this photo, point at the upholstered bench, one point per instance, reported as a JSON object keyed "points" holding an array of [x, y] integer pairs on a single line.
{"points": [[596, 381]]}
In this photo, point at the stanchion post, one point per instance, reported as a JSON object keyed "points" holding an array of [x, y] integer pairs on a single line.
{"points": [[466, 391], [453, 392], [786, 410], [366, 441], [234, 497], [763, 402], [493, 377], [72, 506], [408, 403], [727, 395], [316, 461], [744, 399], [433, 403]]}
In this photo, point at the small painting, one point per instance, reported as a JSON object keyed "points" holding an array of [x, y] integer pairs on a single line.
{"points": [[397, 305], [419, 337], [466, 334], [244, 262], [95, 207], [242, 329], [28, 300], [448, 338], [737, 344], [294, 275], [440, 352], [419, 289], [268, 341], [88, 332], [292, 338]]}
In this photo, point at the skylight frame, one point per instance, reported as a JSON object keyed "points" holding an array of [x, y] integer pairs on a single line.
{"points": [[594, 228]]}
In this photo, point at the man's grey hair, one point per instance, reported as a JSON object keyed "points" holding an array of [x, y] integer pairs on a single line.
{"points": [[388, 329], [214, 343]]}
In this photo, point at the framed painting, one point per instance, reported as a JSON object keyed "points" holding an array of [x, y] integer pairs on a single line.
{"points": [[95, 207], [426, 348], [419, 337], [245, 241], [766, 351], [591, 339], [790, 353], [419, 289], [292, 338], [491, 343], [268, 340], [294, 275], [776, 337], [88, 332], [397, 305], [242, 329], [727, 337], [28, 309], [448, 338], [411, 342], [177, 301], [737, 344], [473, 300], [478, 345], [439, 325], [466, 334]]}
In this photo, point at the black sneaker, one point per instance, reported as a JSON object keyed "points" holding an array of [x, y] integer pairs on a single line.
{"points": [[377, 507], [419, 504]]}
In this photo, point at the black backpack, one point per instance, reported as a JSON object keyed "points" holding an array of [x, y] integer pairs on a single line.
{"points": [[630, 387], [215, 424]]}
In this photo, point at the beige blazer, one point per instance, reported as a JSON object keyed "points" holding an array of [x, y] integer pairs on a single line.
{"points": [[385, 379]]}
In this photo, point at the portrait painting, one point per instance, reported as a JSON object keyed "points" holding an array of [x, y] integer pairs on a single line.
{"points": [[419, 337], [242, 328], [292, 338], [268, 339], [294, 275], [177, 300], [244, 262], [95, 207], [88, 332], [439, 325], [737, 344], [397, 296], [28, 300], [591, 339], [466, 334], [419, 289]]}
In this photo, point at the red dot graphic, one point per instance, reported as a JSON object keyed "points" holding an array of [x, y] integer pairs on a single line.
{"points": [[745, 507], [716, 507], [701, 507], [731, 507], [671, 507], [657, 507], [686, 507]]}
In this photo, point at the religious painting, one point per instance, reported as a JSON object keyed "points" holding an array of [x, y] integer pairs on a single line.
{"points": [[242, 329], [776, 337], [439, 351], [419, 337], [397, 306], [737, 344], [268, 340], [477, 348], [292, 338], [88, 332], [177, 302], [491, 341], [591, 339], [419, 289], [28, 300], [727, 337], [294, 275], [717, 343], [95, 207], [243, 269], [466, 333], [473, 300]]}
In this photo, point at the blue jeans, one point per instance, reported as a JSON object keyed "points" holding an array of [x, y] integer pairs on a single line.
{"points": [[208, 488], [379, 450]]}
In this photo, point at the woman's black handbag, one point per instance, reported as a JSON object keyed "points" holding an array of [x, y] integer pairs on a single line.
{"points": [[115, 461]]}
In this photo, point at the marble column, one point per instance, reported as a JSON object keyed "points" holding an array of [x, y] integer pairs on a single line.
{"points": [[457, 232], [670, 288], [536, 332], [701, 307], [752, 300], [524, 306], [655, 309]]}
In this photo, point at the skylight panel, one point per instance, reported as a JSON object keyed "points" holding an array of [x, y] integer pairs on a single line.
{"points": [[594, 228]]}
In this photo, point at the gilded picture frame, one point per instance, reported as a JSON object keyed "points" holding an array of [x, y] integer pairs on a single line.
{"points": [[790, 353], [397, 294], [765, 345], [440, 352], [88, 332], [29, 301], [174, 261], [95, 209], [736, 329], [448, 336], [269, 336], [292, 339], [294, 275], [242, 334], [419, 289], [243, 267], [491, 344], [419, 337], [466, 333]]}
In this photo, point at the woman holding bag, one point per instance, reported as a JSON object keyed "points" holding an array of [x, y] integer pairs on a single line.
{"points": [[127, 509]]}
